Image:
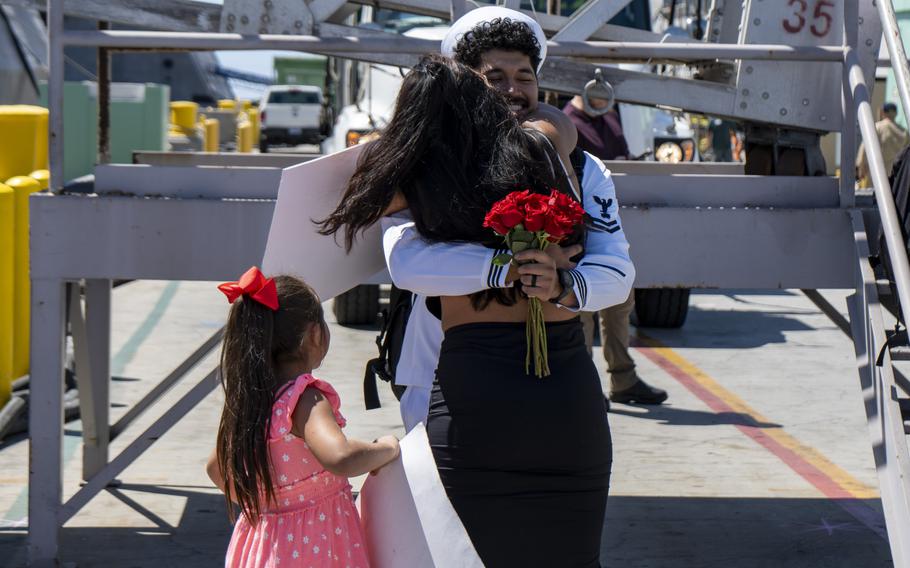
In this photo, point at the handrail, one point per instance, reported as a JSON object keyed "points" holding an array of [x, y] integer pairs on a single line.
{"points": [[897, 251]]}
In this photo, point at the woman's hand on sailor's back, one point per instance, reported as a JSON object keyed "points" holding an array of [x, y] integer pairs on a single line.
{"points": [[399, 203], [537, 271]]}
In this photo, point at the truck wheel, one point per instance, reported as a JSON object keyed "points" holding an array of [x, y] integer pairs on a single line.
{"points": [[357, 306], [660, 307], [263, 146]]}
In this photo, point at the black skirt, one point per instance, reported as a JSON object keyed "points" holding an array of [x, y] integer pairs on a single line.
{"points": [[524, 460]]}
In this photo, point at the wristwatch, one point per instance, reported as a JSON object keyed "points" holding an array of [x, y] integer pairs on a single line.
{"points": [[567, 283]]}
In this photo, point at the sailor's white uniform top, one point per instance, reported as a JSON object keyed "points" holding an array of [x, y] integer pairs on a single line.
{"points": [[602, 278]]}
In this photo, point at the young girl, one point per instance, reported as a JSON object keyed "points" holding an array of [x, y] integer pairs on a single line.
{"points": [[280, 454]]}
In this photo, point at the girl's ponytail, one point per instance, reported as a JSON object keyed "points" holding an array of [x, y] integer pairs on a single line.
{"points": [[255, 338], [248, 379]]}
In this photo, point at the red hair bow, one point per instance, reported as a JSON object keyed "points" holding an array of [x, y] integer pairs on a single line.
{"points": [[254, 284]]}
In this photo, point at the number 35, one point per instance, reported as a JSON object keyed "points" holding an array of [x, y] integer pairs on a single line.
{"points": [[821, 19]]}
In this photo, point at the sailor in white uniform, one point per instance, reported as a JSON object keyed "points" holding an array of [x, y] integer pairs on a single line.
{"points": [[602, 278]]}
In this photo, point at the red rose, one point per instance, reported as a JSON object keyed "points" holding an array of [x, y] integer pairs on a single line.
{"points": [[566, 215], [537, 211], [558, 226], [493, 221]]}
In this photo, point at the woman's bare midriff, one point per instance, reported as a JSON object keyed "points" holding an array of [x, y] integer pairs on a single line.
{"points": [[457, 310]]}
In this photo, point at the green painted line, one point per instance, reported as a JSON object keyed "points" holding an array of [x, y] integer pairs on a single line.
{"points": [[124, 355]]}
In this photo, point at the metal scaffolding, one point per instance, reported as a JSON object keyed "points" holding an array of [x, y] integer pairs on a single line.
{"points": [[842, 60]]}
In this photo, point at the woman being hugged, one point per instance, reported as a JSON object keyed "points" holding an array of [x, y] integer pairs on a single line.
{"points": [[524, 460], [281, 455]]}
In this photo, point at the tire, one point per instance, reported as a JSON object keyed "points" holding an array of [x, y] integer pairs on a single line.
{"points": [[357, 306], [263, 146], [661, 307]]}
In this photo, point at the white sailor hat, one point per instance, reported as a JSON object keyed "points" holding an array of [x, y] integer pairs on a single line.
{"points": [[477, 16]]}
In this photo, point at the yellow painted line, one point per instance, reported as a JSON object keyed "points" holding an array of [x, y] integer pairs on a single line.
{"points": [[826, 476]]}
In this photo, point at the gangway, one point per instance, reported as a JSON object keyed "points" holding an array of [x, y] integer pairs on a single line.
{"points": [[689, 230]]}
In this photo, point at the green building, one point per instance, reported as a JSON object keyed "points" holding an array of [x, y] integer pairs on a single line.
{"points": [[302, 70]]}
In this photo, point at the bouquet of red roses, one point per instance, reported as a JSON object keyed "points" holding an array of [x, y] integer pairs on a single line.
{"points": [[533, 221]]}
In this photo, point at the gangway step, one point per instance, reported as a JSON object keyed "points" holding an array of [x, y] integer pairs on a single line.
{"points": [[904, 404], [884, 287], [900, 353]]}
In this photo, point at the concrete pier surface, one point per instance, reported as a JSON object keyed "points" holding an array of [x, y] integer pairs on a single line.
{"points": [[760, 458]]}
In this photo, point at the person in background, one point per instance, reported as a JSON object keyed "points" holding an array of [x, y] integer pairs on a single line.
{"points": [[602, 137], [891, 136], [720, 139]]}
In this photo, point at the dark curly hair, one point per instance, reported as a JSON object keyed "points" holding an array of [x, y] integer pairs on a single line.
{"points": [[499, 33]]}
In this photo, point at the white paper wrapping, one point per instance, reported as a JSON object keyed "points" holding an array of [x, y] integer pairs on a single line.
{"points": [[408, 519], [311, 191]]}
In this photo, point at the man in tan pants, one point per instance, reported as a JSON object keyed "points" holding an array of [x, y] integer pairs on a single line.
{"points": [[601, 135], [625, 384]]}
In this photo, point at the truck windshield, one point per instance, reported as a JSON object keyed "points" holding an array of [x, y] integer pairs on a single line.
{"points": [[294, 98]]}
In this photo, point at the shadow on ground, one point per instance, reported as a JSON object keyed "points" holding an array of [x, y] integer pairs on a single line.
{"points": [[199, 539], [641, 532], [670, 532], [727, 329], [673, 416]]}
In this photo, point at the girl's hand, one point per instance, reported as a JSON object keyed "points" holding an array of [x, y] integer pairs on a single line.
{"points": [[538, 277], [390, 442]]}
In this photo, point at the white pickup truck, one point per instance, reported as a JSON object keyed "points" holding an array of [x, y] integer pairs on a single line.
{"points": [[291, 115]]}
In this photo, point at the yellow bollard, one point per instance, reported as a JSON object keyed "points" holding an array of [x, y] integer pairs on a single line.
{"points": [[227, 104], [43, 177], [23, 145], [22, 186], [211, 130], [244, 137], [7, 231], [253, 113], [183, 114], [246, 104]]}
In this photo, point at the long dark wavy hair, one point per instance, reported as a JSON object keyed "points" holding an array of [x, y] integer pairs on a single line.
{"points": [[255, 341], [452, 149]]}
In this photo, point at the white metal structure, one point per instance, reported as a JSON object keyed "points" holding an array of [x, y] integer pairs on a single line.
{"points": [[802, 66]]}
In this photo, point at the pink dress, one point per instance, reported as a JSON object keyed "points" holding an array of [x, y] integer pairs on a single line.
{"points": [[314, 523]]}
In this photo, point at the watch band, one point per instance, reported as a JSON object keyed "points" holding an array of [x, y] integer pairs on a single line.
{"points": [[565, 280]]}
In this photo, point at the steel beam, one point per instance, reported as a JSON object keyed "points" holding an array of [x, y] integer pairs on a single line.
{"points": [[157, 239], [681, 52], [45, 422], [589, 18], [165, 385], [55, 59], [711, 247], [190, 16], [129, 454], [174, 15], [223, 159], [188, 182], [98, 334]]}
